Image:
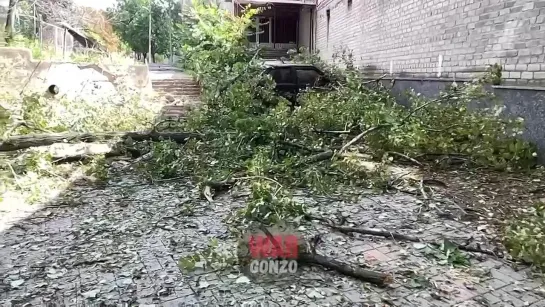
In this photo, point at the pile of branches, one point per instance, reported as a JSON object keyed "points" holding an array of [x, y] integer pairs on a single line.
{"points": [[45, 138], [245, 134], [251, 136], [244, 123]]}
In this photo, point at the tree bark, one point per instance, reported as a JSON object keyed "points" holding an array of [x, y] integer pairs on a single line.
{"points": [[10, 27], [67, 153], [35, 140], [377, 278]]}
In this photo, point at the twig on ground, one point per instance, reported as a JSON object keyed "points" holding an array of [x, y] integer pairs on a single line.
{"points": [[422, 191], [398, 236], [414, 161], [15, 177], [380, 279], [316, 158]]}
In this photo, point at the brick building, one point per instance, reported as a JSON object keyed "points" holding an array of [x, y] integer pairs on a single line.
{"points": [[431, 38]]}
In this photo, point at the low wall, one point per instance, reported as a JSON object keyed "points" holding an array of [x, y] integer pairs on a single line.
{"points": [[23, 74], [519, 101]]}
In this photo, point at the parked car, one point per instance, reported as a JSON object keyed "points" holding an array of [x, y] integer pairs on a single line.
{"points": [[292, 78]]}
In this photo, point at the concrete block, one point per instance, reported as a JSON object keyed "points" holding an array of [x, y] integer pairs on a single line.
{"points": [[536, 50], [534, 67], [527, 75], [514, 75], [539, 75]]}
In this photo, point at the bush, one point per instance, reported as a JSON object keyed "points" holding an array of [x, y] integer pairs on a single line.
{"points": [[39, 51], [525, 236]]}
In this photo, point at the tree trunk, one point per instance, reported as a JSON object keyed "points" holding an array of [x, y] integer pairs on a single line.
{"points": [[35, 140], [153, 51], [10, 27], [66, 153]]}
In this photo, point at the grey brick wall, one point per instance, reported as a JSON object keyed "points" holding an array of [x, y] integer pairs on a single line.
{"points": [[467, 34]]}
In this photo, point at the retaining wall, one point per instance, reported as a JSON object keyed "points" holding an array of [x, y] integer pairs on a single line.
{"points": [[20, 73]]}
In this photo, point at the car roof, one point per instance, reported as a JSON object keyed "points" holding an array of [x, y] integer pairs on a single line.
{"points": [[285, 64]]}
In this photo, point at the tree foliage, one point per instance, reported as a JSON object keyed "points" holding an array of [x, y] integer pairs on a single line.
{"points": [[99, 27], [131, 21], [250, 133]]}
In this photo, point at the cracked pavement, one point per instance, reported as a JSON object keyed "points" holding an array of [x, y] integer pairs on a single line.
{"points": [[119, 244]]}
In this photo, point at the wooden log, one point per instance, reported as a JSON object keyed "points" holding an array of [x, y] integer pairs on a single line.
{"points": [[377, 278], [67, 153], [35, 140]]}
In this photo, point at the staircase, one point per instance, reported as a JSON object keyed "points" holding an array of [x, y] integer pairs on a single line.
{"points": [[181, 94], [274, 54], [177, 88]]}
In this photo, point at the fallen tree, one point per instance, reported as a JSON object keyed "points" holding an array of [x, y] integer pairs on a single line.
{"points": [[252, 137], [36, 140]]}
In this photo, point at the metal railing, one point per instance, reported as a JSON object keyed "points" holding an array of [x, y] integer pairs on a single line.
{"points": [[50, 40]]}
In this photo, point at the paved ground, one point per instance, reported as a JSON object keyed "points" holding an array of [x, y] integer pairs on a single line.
{"points": [[118, 245], [163, 71]]}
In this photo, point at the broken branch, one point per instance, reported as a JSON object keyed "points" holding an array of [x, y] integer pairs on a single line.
{"points": [[359, 136], [398, 236], [35, 140], [377, 278]]}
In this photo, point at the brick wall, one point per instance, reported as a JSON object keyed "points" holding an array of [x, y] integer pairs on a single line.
{"points": [[468, 34]]}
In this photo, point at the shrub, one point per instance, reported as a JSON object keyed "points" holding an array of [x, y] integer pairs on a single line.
{"points": [[525, 236]]}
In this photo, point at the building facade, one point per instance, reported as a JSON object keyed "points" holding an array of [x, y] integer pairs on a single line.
{"points": [[281, 25], [436, 38]]}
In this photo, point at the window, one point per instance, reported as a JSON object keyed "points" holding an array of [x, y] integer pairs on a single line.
{"points": [[282, 75], [307, 77]]}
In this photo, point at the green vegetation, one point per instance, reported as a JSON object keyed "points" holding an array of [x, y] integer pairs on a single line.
{"points": [[250, 136], [131, 22], [244, 138], [525, 236], [39, 51], [34, 173]]}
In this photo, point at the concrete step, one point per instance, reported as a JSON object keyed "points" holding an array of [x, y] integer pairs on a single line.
{"points": [[185, 95], [179, 91], [175, 87], [274, 54], [174, 84], [174, 81]]}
